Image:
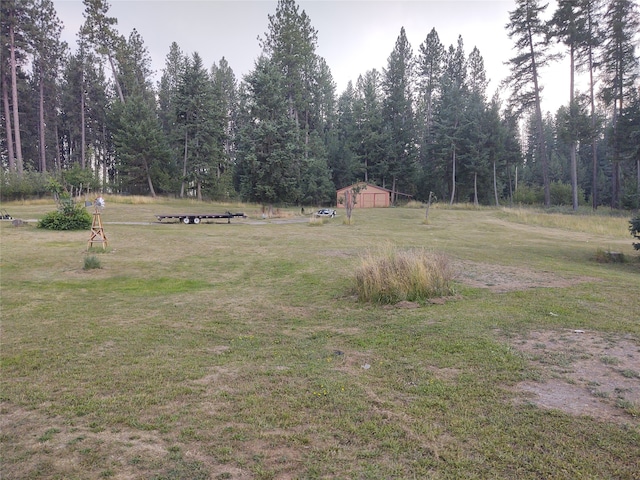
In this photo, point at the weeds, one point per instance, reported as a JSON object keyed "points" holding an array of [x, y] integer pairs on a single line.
{"points": [[91, 262], [586, 222]]}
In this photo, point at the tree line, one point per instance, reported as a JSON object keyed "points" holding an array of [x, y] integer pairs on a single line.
{"points": [[423, 125]]}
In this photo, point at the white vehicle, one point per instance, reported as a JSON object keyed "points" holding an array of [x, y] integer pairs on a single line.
{"points": [[325, 212]]}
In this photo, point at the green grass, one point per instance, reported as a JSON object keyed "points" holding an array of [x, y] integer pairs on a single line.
{"points": [[238, 350]]}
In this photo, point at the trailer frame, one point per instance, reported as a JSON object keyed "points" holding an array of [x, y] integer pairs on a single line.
{"points": [[196, 218]]}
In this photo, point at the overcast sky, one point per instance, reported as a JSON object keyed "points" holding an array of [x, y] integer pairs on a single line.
{"points": [[353, 35]]}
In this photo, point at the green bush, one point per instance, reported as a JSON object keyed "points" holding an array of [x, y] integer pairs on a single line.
{"points": [[528, 195], [69, 216], [18, 187], [559, 193]]}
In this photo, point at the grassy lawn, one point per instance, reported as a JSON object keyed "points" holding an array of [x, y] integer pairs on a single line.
{"points": [[239, 351]]}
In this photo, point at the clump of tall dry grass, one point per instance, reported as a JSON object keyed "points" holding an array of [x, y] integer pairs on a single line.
{"points": [[393, 275], [589, 222], [317, 221], [132, 199]]}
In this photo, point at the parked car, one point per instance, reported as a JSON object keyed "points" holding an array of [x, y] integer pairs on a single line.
{"points": [[325, 212]]}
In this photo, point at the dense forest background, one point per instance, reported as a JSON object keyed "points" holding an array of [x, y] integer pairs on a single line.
{"points": [[92, 118]]}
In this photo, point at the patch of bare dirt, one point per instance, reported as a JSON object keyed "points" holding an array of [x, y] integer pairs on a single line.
{"points": [[583, 373], [502, 278], [54, 445], [35, 445]]}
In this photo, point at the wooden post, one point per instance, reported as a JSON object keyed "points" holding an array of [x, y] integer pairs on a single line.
{"points": [[97, 232]]}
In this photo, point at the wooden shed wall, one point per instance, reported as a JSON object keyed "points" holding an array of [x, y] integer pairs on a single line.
{"points": [[369, 197]]}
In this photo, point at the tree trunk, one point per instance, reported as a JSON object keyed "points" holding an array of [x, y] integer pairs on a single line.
{"points": [[184, 165], [617, 102], [14, 98], [638, 181], [104, 158], [393, 191], [495, 184], [574, 176], [58, 162], [348, 204], [542, 148], [615, 180], [615, 185], [475, 189], [573, 146], [146, 168], [43, 146], [7, 124], [453, 175], [510, 185], [115, 78], [82, 123], [594, 143]]}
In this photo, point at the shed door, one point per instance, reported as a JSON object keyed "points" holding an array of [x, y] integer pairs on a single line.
{"points": [[368, 200]]}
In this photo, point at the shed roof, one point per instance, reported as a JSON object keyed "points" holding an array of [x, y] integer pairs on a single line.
{"points": [[366, 185]]}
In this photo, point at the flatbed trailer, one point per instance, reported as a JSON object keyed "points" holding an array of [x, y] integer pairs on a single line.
{"points": [[198, 217]]}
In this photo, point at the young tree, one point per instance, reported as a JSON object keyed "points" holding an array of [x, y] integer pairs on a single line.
{"points": [[140, 145], [530, 34], [268, 146]]}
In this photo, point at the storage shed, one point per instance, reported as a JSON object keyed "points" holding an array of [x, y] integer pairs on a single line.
{"points": [[369, 196]]}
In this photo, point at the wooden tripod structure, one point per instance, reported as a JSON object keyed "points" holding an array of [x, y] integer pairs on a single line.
{"points": [[97, 232]]}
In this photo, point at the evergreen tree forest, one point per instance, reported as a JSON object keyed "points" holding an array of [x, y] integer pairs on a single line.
{"points": [[95, 117]]}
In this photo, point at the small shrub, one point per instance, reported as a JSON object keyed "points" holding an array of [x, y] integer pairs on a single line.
{"points": [[634, 228], [91, 262], [69, 216], [528, 195], [317, 221], [562, 194], [607, 256], [394, 276]]}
